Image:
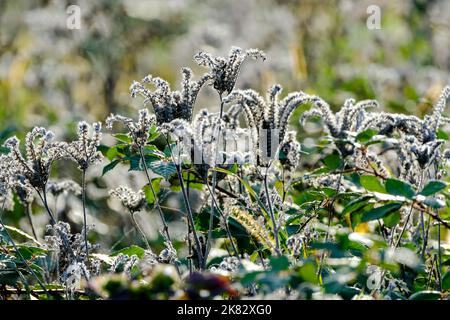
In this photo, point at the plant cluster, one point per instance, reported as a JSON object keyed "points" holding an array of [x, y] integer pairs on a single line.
{"points": [[368, 222]]}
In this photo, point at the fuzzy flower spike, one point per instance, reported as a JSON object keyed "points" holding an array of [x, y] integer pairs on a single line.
{"points": [[138, 131], [267, 118], [223, 71], [169, 105], [41, 152], [351, 118], [84, 150]]}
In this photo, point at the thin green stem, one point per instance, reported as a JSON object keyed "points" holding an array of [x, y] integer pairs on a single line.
{"points": [[330, 217], [157, 205], [155, 196], [439, 260], [425, 238], [124, 235], [83, 200], [189, 215], [271, 213], [139, 230], [227, 228], [405, 226], [43, 198], [214, 178], [28, 212], [189, 229]]}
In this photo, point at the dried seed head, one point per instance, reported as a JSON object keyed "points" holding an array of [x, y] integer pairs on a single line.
{"points": [[84, 150], [225, 71], [138, 131], [133, 201], [41, 152], [56, 188], [169, 105]]}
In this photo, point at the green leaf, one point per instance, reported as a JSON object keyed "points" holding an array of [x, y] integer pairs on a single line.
{"points": [[122, 137], [163, 168], [279, 263], [380, 212], [446, 281], [308, 273], [135, 163], [153, 151], [29, 252], [366, 135], [432, 187], [356, 204], [442, 135], [148, 191], [309, 196], [110, 166], [392, 219], [153, 133], [334, 249], [4, 134], [111, 153], [149, 159], [434, 203], [292, 228], [399, 188], [4, 150], [13, 230], [426, 295], [9, 276], [371, 183], [103, 149], [129, 251], [333, 161]]}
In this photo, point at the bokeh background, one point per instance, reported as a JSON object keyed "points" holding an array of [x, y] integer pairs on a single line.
{"points": [[53, 77]]}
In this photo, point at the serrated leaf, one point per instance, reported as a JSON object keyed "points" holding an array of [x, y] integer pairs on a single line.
{"points": [[399, 188], [164, 168], [432, 187], [380, 212], [153, 151]]}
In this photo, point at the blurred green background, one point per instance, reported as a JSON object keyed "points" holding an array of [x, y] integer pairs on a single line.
{"points": [[52, 76]]}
